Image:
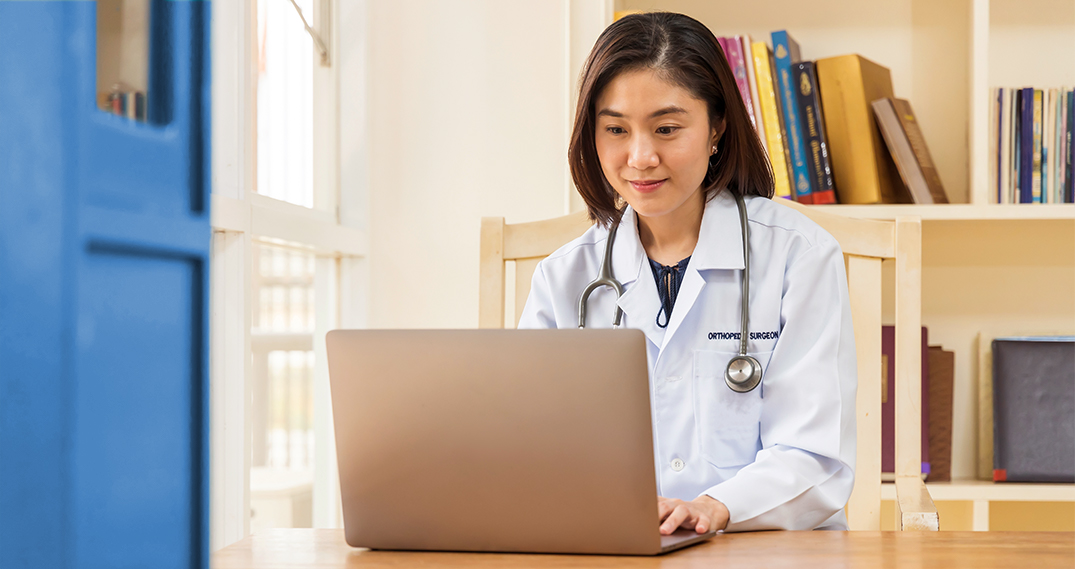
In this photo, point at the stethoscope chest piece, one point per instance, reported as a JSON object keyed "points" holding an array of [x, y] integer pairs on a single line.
{"points": [[743, 373]]}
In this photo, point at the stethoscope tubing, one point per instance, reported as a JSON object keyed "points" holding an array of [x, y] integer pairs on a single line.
{"points": [[744, 372]]}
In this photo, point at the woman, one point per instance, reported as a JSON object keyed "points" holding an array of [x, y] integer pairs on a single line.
{"points": [[662, 146]]}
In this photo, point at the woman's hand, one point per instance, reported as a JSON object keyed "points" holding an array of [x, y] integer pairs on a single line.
{"points": [[701, 514]]}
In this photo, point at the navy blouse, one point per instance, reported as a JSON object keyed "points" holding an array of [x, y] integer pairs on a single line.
{"points": [[668, 280]]}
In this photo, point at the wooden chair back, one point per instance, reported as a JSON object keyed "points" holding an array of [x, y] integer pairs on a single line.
{"points": [[865, 243]]}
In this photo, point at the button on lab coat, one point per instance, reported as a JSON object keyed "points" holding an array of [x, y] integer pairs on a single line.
{"points": [[780, 456]]}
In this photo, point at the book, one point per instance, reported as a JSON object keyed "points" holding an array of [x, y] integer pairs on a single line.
{"points": [[1034, 409], [1005, 133], [752, 80], [995, 107], [941, 391], [1035, 172], [786, 53], [1048, 134], [1069, 161], [814, 140], [733, 52], [1069, 154], [888, 400], [908, 161], [863, 169], [913, 131], [1026, 144], [772, 118]]}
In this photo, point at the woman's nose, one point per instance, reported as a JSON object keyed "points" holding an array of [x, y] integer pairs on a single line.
{"points": [[641, 155]]}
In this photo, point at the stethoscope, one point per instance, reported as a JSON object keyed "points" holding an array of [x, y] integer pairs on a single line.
{"points": [[743, 373]]}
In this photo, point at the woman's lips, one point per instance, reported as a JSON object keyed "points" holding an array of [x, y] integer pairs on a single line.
{"points": [[646, 186]]}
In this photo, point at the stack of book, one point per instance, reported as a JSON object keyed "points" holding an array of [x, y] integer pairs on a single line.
{"points": [[124, 102], [816, 119], [1031, 147]]}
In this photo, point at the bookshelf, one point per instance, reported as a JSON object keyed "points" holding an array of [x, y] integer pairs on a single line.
{"points": [[985, 266]]}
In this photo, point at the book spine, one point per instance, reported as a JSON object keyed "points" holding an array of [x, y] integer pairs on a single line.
{"points": [[1062, 146], [997, 146], [1005, 134], [785, 52], [1035, 172], [1055, 157], [763, 70], [752, 80], [1013, 158], [918, 144], [140, 105], [817, 150], [1026, 145], [733, 51], [1071, 147]]}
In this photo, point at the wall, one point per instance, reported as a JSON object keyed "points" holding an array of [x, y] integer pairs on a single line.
{"points": [[468, 117]]}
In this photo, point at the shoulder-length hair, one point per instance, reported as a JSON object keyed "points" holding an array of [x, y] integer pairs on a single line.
{"points": [[687, 54]]}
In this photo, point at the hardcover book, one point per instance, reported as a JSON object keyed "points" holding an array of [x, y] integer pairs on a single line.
{"points": [[1026, 145], [863, 169], [813, 123], [733, 51], [941, 384], [785, 54], [752, 80], [772, 118], [888, 401], [1034, 409], [1035, 173], [908, 148]]}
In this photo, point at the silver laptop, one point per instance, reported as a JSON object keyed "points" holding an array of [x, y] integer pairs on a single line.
{"points": [[496, 440]]}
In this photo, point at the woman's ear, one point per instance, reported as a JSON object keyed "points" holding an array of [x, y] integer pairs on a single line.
{"points": [[718, 131]]}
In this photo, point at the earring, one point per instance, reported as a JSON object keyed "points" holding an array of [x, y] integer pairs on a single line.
{"points": [[714, 149]]}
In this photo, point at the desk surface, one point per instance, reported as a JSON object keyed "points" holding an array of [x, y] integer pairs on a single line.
{"points": [[324, 549]]}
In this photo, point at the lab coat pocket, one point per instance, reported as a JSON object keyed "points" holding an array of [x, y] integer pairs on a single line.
{"points": [[728, 422]]}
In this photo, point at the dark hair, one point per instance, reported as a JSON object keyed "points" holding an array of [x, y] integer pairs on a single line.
{"points": [[687, 54]]}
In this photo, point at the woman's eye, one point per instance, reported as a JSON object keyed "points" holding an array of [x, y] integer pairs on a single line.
{"points": [[614, 130], [666, 129]]}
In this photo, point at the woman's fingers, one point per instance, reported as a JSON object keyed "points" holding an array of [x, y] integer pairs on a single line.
{"points": [[679, 515], [665, 507], [703, 524], [676, 513]]}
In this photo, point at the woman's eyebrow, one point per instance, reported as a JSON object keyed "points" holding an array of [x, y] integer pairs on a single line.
{"points": [[669, 110]]}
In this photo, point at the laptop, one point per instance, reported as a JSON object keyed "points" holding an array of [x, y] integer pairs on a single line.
{"points": [[535, 441]]}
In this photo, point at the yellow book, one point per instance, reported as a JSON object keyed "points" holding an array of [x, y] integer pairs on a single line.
{"points": [[770, 114], [864, 170]]}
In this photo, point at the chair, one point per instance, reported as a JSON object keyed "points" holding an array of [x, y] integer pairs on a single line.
{"points": [[865, 244]]}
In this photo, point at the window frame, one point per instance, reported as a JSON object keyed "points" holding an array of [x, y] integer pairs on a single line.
{"points": [[335, 229]]}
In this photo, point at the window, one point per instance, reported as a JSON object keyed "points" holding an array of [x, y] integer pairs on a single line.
{"points": [[287, 266]]}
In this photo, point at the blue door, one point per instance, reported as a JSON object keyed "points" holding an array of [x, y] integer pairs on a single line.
{"points": [[104, 252]]}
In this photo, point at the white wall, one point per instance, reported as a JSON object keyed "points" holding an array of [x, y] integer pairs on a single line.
{"points": [[469, 103]]}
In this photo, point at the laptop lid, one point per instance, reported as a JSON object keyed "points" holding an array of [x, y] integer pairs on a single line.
{"points": [[495, 440]]}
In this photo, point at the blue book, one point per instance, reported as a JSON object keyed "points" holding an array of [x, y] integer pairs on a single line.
{"points": [[814, 139], [1070, 133], [1026, 146], [785, 54]]}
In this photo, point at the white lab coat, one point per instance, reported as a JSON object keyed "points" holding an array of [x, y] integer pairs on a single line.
{"points": [[782, 455]]}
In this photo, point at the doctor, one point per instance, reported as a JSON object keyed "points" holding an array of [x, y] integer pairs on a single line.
{"points": [[662, 145]]}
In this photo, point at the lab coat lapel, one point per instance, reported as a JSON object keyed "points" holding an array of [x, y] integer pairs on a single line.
{"points": [[720, 246], [640, 301]]}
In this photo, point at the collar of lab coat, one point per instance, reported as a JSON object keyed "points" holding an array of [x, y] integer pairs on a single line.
{"points": [[720, 246], [720, 240]]}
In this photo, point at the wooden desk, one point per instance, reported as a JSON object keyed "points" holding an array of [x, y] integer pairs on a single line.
{"points": [[325, 549]]}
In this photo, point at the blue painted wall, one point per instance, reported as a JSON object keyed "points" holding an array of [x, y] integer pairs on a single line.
{"points": [[104, 253]]}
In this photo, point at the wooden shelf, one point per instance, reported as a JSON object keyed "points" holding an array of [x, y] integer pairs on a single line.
{"points": [[958, 212], [971, 490]]}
